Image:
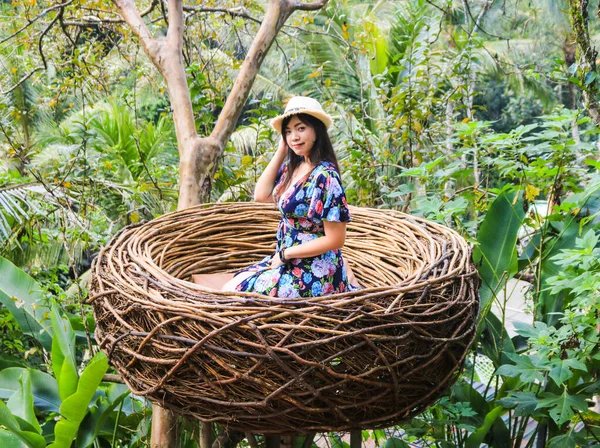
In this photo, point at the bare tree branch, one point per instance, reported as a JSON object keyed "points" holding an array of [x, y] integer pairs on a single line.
{"points": [[242, 12], [277, 13], [41, 39], [63, 27], [35, 19], [112, 378], [176, 25], [92, 20], [305, 31], [479, 27], [234, 12], [133, 18], [163, 13], [22, 80], [303, 6], [198, 165]]}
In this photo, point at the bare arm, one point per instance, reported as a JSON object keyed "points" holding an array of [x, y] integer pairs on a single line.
{"points": [[263, 192], [334, 238]]}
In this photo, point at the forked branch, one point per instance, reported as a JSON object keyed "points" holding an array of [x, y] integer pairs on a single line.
{"points": [[303, 6], [133, 18], [277, 13]]}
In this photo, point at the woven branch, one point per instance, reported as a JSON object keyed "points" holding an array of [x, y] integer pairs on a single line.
{"points": [[363, 359]]}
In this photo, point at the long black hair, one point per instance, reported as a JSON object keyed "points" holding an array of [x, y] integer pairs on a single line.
{"points": [[322, 149]]}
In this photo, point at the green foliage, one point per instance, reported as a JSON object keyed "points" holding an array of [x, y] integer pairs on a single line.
{"points": [[558, 376], [496, 250], [99, 169], [44, 387], [562, 407], [432, 116], [86, 410], [63, 355], [21, 295], [11, 336], [75, 406], [18, 430], [246, 157], [21, 403]]}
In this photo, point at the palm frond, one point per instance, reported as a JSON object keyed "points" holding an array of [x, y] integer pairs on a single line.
{"points": [[24, 212], [506, 68], [17, 206], [245, 139], [267, 85], [53, 156], [51, 253], [157, 140]]}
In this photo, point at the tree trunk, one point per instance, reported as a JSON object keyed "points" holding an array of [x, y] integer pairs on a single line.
{"points": [[164, 428], [199, 156], [586, 56], [206, 435]]}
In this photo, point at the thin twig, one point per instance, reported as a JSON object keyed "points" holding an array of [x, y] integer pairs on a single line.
{"points": [[22, 80], [35, 19]]}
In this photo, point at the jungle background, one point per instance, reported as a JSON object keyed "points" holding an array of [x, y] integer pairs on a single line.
{"points": [[480, 115]]}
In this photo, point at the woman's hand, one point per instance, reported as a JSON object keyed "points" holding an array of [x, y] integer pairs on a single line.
{"points": [[276, 261], [263, 191], [283, 147]]}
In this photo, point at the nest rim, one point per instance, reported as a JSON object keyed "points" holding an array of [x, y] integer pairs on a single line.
{"points": [[192, 294]]}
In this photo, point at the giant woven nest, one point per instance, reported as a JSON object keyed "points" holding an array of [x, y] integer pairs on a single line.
{"points": [[365, 359]]}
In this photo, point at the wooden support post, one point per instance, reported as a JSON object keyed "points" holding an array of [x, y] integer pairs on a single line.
{"points": [[287, 441], [206, 435], [164, 428], [356, 438], [252, 440], [308, 440], [228, 438], [272, 441]]}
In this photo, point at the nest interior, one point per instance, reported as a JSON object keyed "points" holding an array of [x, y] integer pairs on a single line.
{"points": [[364, 359]]}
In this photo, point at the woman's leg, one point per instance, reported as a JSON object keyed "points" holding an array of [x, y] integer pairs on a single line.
{"points": [[350, 274], [212, 281], [231, 284]]}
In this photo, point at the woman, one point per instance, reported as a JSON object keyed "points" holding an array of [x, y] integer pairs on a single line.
{"points": [[303, 179]]}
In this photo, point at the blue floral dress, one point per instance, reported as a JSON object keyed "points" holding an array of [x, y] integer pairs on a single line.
{"points": [[304, 206]]}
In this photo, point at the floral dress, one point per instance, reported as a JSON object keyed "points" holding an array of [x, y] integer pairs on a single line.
{"points": [[304, 206]]}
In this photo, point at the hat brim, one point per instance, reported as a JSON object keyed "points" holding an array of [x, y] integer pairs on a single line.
{"points": [[324, 117]]}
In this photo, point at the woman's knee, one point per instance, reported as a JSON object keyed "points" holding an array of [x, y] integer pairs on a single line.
{"points": [[232, 283], [212, 281]]}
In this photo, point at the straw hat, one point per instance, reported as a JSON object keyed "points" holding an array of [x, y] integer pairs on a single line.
{"points": [[302, 105]]}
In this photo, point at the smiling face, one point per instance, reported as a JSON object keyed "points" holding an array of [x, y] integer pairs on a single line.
{"points": [[300, 137]]}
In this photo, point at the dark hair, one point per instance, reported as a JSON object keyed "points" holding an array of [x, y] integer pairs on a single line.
{"points": [[322, 149]]}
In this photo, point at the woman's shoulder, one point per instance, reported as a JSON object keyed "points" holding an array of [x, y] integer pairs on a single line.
{"points": [[326, 168]]}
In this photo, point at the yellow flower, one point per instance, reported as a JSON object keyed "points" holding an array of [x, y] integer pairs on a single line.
{"points": [[316, 73], [531, 193]]}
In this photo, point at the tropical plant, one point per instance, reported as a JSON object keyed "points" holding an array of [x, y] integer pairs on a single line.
{"points": [[434, 115], [86, 408]]}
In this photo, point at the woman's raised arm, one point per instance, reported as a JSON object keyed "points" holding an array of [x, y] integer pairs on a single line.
{"points": [[263, 192]]}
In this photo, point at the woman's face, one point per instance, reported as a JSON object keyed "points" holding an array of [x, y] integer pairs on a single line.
{"points": [[300, 137]]}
